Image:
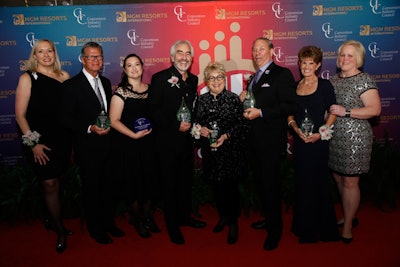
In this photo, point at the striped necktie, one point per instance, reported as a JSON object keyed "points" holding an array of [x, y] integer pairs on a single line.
{"points": [[97, 91]]}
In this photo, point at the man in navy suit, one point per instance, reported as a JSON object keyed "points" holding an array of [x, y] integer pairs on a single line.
{"points": [[86, 95], [274, 90]]}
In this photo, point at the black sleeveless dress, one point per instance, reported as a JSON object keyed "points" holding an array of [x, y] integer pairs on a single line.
{"points": [[133, 163], [43, 116]]}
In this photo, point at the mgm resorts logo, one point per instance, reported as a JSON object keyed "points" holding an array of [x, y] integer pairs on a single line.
{"points": [[365, 30], [71, 40], [18, 19], [120, 16]]}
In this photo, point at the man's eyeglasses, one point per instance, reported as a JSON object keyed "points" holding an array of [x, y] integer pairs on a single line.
{"points": [[93, 58], [216, 78]]}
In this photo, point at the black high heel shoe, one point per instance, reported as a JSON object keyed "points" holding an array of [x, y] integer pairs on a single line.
{"points": [[354, 223], [346, 240], [150, 224], [61, 245], [219, 227], [233, 234], [140, 227]]}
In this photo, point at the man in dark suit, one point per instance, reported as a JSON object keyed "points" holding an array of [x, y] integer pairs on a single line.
{"points": [[274, 90], [174, 142], [84, 99]]}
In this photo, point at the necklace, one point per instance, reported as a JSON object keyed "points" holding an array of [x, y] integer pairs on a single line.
{"points": [[307, 87]]}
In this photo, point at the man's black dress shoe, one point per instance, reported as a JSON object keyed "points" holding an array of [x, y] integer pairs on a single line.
{"points": [[194, 223], [271, 243], [259, 225], [114, 231], [354, 223], [233, 234], [102, 238], [176, 237]]}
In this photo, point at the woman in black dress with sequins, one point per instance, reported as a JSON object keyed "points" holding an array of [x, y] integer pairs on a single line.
{"points": [[224, 162]]}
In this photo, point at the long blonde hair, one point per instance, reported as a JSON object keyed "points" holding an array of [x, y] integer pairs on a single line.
{"points": [[31, 63]]}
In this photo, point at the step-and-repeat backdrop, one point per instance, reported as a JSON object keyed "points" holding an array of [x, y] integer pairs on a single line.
{"points": [[219, 31]]}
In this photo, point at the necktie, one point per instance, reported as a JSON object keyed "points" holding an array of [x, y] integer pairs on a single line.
{"points": [[97, 91], [256, 78]]}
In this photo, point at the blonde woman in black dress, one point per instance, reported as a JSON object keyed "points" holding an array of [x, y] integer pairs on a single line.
{"points": [[37, 113]]}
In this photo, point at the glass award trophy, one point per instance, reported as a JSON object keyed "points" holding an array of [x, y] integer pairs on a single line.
{"points": [[103, 121], [307, 125], [249, 101], [214, 135], [141, 124], [183, 113]]}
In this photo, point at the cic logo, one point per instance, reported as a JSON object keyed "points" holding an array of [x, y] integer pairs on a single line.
{"points": [[374, 4], [373, 49], [327, 29], [178, 11], [133, 36], [79, 15], [278, 54], [30, 38], [326, 75], [278, 11]]}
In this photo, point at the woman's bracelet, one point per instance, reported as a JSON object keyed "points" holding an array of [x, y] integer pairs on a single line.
{"points": [[31, 139], [290, 122]]}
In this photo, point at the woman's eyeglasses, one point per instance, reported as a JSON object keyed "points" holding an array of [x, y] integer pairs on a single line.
{"points": [[216, 78]]}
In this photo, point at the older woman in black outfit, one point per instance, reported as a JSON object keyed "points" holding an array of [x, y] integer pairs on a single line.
{"points": [[223, 158], [314, 215]]}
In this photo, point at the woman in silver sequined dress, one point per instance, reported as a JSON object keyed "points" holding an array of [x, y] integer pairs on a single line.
{"points": [[350, 147]]}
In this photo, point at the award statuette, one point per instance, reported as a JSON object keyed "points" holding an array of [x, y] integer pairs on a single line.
{"points": [[214, 135], [103, 121], [307, 125], [141, 124], [249, 101], [183, 113]]}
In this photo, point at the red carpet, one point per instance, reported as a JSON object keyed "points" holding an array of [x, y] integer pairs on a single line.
{"points": [[376, 243]]}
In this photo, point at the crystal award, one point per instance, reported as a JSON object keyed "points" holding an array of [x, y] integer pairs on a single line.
{"points": [[249, 101], [307, 125], [103, 121], [183, 113], [214, 135]]}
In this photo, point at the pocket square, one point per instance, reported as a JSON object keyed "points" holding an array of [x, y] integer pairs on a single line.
{"points": [[265, 85]]}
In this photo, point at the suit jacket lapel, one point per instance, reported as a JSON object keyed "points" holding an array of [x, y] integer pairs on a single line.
{"points": [[264, 77], [90, 92]]}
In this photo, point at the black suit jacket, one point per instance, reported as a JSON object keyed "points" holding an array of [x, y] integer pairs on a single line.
{"points": [[165, 101], [275, 94], [80, 108]]}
